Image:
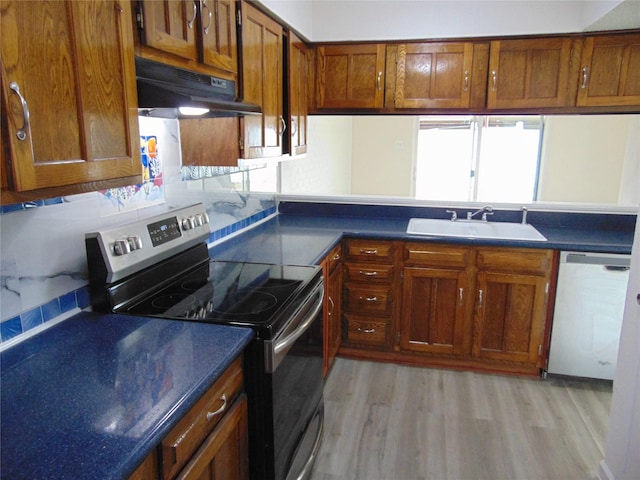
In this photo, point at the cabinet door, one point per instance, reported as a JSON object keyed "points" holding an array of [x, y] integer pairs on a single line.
{"points": [[210, 141], [298, 94], [351, 76], [224, 454], [434, 75], [334, 315], [73, 65], [610, 71], [433, 310], [262, 59], [531, 73], [510, 317], [218, 34], [170, 26]]}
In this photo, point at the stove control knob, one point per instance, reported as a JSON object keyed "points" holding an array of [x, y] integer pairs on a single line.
{"points": [[135, 242], [121, 247], [188, 223], [205, 218], [199, 221]]}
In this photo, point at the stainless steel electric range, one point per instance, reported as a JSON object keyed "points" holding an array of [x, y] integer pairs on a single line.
{"points": [[160, 267]]}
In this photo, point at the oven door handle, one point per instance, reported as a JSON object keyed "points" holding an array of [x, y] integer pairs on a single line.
{"points": [[286, 342]]}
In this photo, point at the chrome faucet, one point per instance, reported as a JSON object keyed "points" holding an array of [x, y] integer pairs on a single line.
{"points": [[524, 215], [488, 210], [454, 215]]}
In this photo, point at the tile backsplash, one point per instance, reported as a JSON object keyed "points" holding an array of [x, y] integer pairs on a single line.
{"points": [[43, 267]]}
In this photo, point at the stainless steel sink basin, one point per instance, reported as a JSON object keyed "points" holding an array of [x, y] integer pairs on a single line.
{"points": [[474, 229]]}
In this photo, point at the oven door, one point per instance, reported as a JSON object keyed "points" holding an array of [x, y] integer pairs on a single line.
{"points": [[294, 361]]}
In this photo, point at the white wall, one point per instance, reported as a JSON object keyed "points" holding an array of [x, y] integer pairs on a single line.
{"points": [[326, 168], [577, 147], [383, 167], [622, 461], [338, 20]]}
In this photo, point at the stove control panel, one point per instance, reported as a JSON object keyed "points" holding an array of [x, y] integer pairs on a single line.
{"points": [[126, 249]]}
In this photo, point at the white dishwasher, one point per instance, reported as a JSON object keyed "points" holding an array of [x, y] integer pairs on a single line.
{"points": [[588, 313]]}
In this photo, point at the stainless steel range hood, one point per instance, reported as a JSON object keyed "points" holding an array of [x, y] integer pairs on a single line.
{"points": [[163, 89]]}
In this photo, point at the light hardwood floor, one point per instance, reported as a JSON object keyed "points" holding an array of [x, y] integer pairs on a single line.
{"points": [[390, 422]]}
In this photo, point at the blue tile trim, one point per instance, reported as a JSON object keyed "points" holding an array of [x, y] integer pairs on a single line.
{"points": [[240, 224], [44, 313], [16, 207]]}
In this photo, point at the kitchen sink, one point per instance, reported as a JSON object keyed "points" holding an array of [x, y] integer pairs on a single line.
{"points": [[474, 229]]}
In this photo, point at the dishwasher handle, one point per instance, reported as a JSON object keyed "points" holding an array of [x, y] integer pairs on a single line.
{"points": [[612, 262]]}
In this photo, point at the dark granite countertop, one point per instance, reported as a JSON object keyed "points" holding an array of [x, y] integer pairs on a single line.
{"points": [[92, 396], [307, 238]]}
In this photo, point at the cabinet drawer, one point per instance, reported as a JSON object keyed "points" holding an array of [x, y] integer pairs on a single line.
{"points": [[365, 331], [368, 272], [364, 299], [370, 250], [180, 444], [334, 257], [436, 255], [516, 260]]}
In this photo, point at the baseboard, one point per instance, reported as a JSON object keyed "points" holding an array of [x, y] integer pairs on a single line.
{"points": [[603, 471]]}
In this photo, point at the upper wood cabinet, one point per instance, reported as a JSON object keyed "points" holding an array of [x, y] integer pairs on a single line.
{"points": [[434, 75], [262, 71], [610, 71], [531, 73], [350, 76], [298, 94], [69, 86], [210, 141], [198, 32]]}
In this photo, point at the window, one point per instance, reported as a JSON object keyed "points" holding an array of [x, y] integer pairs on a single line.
{"points": [[478, 158]]}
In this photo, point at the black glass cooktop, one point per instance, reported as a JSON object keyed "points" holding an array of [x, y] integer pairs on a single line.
{"points": [[226, 292]]}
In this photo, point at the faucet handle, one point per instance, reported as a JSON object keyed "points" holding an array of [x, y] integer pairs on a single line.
{"points": [[524, 215], [484, 215], [454, 215]]}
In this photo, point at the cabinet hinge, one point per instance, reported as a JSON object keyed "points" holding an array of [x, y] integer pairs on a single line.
{"points": [[540, 350], [238, 18], [241, 143], [398, 338], [139, 17], [546, 289]]}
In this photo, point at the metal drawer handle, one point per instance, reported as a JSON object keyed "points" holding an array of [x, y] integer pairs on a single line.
{"points": [[367, 330], [368, 274], [369, 252], [379, 81], [585, 77], [494, 80], [22, 132], [336, 257], [204, 5], [369, 299], [466, 80], [480, 298], [195, 13], [210, 415]]}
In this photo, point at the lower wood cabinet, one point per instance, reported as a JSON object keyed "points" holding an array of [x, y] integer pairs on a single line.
{"points": [[211, 441], [332, 271], [483, 308]]}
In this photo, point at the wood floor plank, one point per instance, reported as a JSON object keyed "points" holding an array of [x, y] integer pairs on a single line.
{"points": [[391, 422]]}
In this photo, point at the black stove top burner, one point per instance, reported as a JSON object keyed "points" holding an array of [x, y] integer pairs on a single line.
{"points": [[239, 293]]}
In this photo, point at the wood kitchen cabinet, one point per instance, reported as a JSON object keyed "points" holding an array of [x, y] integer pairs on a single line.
{"points": [[211, 440], [370, 292], [610, 71], [350, 76], [69, 88], [531, 73], [190, 34], [262, 69], [210, 141], [298, 94], [511, 304], [436, 297], [434, 75], [332, 332]]}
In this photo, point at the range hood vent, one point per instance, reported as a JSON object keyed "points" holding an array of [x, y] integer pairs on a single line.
{"points": [[163, 89]]}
